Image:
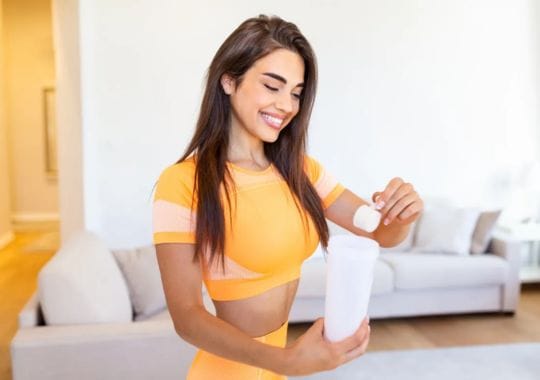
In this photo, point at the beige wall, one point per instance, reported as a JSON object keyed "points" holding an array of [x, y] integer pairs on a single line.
{"points": [[69, 119], [536, 23], [5, 213], [29, 67]]}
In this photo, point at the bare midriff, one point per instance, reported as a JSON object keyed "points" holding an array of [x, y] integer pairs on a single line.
{"points": [[261, 314]]}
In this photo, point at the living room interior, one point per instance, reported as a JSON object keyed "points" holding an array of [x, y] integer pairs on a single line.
{"points": [[97, 98]]}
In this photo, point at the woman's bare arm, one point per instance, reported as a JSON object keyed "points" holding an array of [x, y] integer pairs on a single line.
{"points": [[182, 282], [342, 211]]}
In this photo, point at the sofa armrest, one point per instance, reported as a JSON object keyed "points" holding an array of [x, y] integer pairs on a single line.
{"points": [[146, 349], [510, 250], [506, 247], [86, 333], [30, 315]]}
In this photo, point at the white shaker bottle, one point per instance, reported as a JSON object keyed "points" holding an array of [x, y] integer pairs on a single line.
{"points": [[351, 261]]}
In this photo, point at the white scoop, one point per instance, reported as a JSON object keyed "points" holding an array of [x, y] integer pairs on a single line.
{"points": [[367, 218]]}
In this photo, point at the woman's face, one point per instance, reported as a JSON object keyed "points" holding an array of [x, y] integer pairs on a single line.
{"points": [[268, 96]]}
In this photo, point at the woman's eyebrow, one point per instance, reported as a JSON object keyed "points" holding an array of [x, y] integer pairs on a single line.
{"points": [[281, 79]]}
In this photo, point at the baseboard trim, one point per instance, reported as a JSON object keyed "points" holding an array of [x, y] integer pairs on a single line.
{"points": [[6, 239], [35, 217]]}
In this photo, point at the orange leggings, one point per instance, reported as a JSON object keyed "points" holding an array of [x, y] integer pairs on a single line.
{"points": [[207, 366]]}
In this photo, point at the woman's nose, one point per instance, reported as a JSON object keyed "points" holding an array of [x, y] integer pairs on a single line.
{"points": [[285, 103]]}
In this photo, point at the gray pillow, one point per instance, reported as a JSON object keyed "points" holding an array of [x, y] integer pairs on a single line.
{"points": [[482, 232], [141, 271]]}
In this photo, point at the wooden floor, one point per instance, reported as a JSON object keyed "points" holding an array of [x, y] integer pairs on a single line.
{"points": [[35, 244], [20, 262]]}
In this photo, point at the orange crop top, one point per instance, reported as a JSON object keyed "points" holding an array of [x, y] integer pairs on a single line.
{"points": [[267, 242]]}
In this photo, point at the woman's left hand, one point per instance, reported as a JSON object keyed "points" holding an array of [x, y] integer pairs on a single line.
{"points": [[399, 203]]}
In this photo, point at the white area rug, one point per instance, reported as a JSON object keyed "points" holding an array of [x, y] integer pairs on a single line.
{"points": [[493, 362]]}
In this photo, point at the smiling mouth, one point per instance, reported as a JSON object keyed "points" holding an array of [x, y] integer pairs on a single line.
{"points": [[274, 122]]}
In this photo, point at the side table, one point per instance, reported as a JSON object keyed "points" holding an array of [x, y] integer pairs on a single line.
{"points": [[529, 235]]}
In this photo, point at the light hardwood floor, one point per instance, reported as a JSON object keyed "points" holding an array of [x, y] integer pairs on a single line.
{"points": [[35, 244], [20, 262]]}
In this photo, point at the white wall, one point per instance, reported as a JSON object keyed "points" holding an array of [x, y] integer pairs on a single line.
{"points": [[29, 68], [438, 93], [6, 232], [441, 93]]}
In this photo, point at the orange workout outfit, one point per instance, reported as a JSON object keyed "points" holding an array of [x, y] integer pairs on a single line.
{"points": [[266, 242]]}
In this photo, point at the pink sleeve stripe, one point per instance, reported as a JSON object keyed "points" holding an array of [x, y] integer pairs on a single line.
{"points": [[171, 217], [325, 184]]}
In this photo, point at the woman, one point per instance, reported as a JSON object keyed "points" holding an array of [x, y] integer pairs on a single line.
{"points": [[245, 206]]}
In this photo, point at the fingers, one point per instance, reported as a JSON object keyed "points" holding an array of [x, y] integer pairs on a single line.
{"points": [[400, 205], [358, 351], [386, 196], [411, 210], [394, 192], [354, 340], [399, 197]]}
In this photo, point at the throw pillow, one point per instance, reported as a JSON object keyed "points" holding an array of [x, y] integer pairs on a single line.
{"points": [[445, 229], [82, 284], [141, 271], [482, 232]]}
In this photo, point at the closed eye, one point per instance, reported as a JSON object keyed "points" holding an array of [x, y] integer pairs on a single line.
{"points": [[273, 89], [270, 88]]}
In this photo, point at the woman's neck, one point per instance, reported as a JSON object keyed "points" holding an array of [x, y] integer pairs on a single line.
{"points": [[246, 148]]}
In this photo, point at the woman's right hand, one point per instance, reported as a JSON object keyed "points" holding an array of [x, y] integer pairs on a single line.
{"points": [[312, 353]]}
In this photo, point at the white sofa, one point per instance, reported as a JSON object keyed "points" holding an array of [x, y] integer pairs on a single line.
{"points": [[405, 284]]}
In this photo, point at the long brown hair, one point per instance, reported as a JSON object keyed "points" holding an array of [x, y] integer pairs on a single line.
{"points": [[252, 40]]}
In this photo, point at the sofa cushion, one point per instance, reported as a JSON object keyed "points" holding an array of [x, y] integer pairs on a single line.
{"points": [[162, 315], [313, 278], [141, 271], [422, 271], [82, 284], [445, 229]]}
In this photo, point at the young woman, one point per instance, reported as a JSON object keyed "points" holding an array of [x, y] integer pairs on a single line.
{"points": [[245, 206]]}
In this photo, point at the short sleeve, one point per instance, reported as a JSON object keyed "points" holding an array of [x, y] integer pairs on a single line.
{"points": [[173, 214], [326, 185]]}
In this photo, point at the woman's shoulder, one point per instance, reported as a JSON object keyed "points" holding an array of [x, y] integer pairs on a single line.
{"points": [[180, 168], [182, 172], [312, 167], [176, 182]]}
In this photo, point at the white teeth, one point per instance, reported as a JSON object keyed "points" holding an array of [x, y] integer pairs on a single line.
{"points": [[272, 120]]}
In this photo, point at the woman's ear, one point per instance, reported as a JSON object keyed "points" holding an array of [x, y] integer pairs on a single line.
{"points": [[228, 84]]}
